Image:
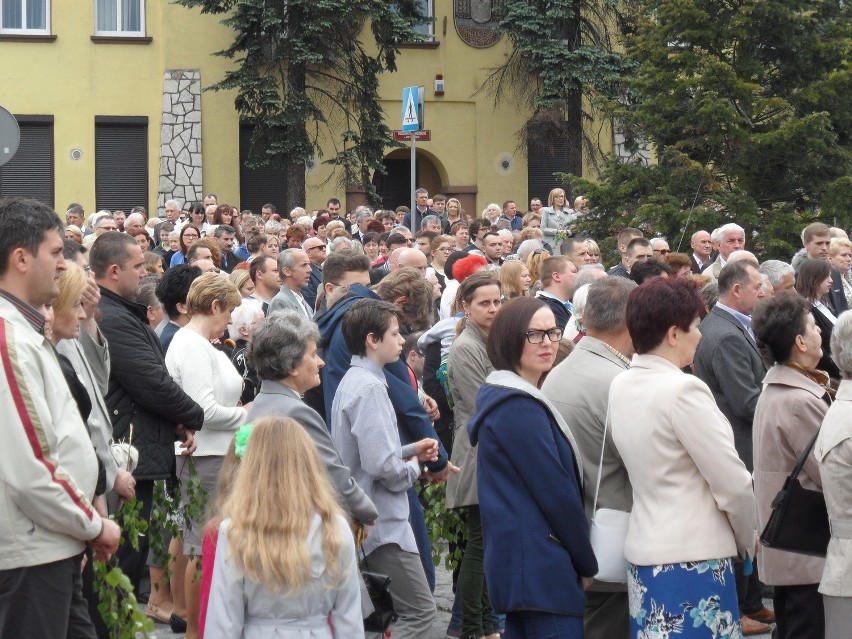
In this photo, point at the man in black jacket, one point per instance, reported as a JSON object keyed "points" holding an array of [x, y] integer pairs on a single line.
{"points": [[141, 390], [224, 235]]}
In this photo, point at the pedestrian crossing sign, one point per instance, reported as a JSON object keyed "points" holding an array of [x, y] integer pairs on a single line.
{"points": [[410, 115]]}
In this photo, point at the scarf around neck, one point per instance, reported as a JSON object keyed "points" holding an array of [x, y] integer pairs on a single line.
{"points": [[815, 375]]}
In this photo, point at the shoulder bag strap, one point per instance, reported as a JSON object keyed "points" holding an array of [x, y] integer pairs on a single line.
{"points": [[800, 462], [600, 465]]}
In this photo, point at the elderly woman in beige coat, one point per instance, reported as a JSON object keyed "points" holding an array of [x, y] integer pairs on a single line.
{"points": [[790, 409], [467, 367], [833, 450]]}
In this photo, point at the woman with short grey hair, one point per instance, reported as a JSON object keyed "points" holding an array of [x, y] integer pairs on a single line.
{"points": [[280, 343], [833, 451], [283, 351]]}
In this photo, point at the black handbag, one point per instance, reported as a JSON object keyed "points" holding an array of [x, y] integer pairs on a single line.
{"points": [[799, 519], [383, 614], [378, 587]]}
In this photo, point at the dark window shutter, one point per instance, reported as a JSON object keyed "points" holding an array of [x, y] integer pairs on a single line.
{"points": [[259, 185], [121, 163], [542, 162], [30, 172]]}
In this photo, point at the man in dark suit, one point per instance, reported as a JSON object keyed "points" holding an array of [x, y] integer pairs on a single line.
{"points": [[315, 248], [702, 247], [728, 361], [363, 217], [816, 239]]}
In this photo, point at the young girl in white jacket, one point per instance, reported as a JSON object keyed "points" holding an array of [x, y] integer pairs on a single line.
{"points": [[285, 560]]}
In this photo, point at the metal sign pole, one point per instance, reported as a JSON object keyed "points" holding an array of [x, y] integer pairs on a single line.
{"points": [[413, 180]]}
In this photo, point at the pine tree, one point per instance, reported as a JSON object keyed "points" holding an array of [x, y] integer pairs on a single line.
{"points": [[564, 65], [746, 103], [304, 77]]}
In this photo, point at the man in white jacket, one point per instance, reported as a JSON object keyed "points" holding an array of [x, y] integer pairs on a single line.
{"points": [[48, 466]]}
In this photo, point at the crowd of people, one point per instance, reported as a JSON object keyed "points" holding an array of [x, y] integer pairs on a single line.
{"points": [[311, 374]]}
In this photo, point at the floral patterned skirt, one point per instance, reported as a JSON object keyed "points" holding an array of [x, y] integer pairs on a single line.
{"points": [[684, 601]]}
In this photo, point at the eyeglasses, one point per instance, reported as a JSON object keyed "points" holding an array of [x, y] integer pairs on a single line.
{"points": [[446, 249], [662, 251], [190, 236], [537, 337], [109, 228], [321, 247]]}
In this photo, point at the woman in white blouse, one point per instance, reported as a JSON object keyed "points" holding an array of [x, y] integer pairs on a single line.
{"points": [[207, 376], [813, 282]]}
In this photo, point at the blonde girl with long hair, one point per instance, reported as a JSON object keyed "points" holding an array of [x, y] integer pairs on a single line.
{"points": [[515, 280], [285, 560], [534, 268]]}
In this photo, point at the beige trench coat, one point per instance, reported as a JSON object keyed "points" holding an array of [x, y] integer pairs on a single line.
{"points": [[833, 450], [788, 413]]}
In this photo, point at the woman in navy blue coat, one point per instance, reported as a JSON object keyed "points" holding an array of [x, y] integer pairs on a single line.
{"points": [[538, 557]]}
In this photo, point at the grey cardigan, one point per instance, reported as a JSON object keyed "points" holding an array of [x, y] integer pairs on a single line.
{"points": [[276, 399], [91, 363]]}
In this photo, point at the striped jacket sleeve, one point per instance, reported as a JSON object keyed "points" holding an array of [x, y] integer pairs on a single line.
{"points": [[38, 420]]}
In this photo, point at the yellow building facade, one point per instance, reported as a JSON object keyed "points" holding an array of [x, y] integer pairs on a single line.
{"points": [[113, 112]]}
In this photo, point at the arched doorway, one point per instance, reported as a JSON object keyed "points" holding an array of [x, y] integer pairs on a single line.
{"points": [[394, 187]]}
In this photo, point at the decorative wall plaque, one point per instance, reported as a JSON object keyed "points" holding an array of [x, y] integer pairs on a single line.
{"points": [[476, 21]]}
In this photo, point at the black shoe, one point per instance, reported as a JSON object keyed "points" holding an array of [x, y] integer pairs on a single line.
{"points": [[178, 625]]}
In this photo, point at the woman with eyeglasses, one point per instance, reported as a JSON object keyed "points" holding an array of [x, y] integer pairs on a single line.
{"points": [[693, 504], [442, 247], [189, 235], [556, 219], [538, 557]]}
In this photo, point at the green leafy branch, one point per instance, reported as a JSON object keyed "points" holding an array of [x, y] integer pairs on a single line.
{"points": [[165, 515], [446, 527], [117, 602]]}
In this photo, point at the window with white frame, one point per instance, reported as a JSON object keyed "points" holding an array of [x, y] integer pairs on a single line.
{"points": [[120, 17], [25, 17], [426, 28]]}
